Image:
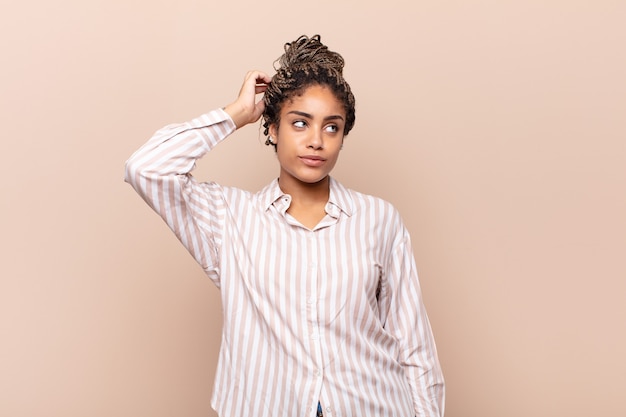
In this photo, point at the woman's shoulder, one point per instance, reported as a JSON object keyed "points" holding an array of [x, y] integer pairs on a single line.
{"points": [[373, 201], [371, 205], [227, 194]]}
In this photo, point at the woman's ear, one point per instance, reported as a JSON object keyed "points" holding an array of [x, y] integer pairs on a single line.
{"points": [[273, 131]]}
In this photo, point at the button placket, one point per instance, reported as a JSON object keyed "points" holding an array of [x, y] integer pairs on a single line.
{"points": [[311, 300]]}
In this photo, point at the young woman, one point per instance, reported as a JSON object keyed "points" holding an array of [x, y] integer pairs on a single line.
{"points": [[322, 306]]}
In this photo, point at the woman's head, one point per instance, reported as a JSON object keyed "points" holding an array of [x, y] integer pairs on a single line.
{"points": [[306, 62]]}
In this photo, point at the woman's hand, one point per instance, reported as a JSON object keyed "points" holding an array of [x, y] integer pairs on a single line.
{"points": [[246, 109]]}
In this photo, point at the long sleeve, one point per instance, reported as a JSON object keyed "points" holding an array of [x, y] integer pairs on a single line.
{"points": [[407, 321], [160, 173], [299, 305]]}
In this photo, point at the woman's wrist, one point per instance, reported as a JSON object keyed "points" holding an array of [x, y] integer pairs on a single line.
{"points": [[237, 114]]}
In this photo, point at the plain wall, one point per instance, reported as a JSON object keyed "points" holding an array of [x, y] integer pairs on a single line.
{"points": [[497, 128]]}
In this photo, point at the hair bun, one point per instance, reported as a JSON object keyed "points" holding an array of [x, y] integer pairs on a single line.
{"points": [[305, 52], [306, 62]]}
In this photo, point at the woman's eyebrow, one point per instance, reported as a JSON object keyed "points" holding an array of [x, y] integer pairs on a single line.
{"points": [[308, 116], [300, 113]]}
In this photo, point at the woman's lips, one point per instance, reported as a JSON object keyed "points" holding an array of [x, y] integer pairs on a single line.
{"points": [[312, 160]]}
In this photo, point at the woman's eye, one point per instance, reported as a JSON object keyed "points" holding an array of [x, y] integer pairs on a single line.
{"points": [[299, 123], [332, 128]]}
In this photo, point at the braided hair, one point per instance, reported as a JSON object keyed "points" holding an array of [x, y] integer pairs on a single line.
{"points": [[306, 62]]}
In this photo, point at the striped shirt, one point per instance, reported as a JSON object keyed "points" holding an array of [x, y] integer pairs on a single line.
{"points": [[333, 314]]}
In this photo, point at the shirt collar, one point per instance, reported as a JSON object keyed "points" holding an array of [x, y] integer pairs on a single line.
{"points": [[270, 194], [340, 197]]}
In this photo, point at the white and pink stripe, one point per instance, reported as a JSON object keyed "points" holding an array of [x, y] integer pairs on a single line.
{"points": [[332, 314]]}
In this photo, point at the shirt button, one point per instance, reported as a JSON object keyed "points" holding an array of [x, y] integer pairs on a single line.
{"points": [[311, 300], [315, 336]]}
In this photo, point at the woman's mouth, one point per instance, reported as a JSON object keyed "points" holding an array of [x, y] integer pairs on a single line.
{"points": [[312, 160]]}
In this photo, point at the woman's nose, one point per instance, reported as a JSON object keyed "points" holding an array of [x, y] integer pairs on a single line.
{"points": [[316, 140]]}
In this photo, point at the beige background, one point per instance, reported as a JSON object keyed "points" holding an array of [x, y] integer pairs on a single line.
{"points": [[496, 127]]}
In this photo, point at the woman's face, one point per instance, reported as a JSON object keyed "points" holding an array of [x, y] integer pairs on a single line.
{"points": [[309, 136]]}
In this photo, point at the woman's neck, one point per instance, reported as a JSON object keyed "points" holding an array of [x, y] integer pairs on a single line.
{"points": [[308, 201], [305, 193]]}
